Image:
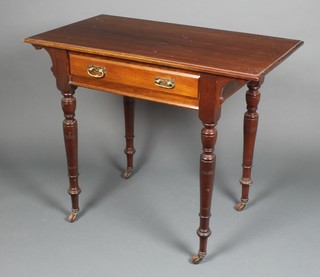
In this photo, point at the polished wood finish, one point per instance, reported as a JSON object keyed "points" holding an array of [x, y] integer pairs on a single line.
{"points": [[250, 127], [196, 68], [123, 76], [232, 54], [60, 69], [129, 105]]}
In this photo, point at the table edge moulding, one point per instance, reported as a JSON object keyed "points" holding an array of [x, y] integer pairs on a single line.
{"points": [[186, 66]]}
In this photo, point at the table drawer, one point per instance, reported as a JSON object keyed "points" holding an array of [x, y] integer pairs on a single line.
{"points": [[105, 73]]}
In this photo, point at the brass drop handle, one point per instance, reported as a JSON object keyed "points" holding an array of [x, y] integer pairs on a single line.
{"points": [[164, 82], [96, 71]]}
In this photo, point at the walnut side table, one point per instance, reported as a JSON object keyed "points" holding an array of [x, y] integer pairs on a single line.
{"points": [[191, 67]]}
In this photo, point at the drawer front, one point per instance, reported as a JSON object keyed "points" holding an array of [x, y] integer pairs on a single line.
{"points": [[107, 73]]}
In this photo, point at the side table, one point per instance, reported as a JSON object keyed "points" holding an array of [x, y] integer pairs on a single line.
{"points": [[186, 66]]}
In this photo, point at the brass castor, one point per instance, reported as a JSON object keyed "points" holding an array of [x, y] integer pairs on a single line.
{"points": [[241, 205], [73, 215], [197, 258], [127, 173]]}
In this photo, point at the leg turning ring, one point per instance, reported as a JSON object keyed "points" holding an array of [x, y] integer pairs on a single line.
{"points": [[241, 205], [127, 173], [196, 259], [73, 215]]}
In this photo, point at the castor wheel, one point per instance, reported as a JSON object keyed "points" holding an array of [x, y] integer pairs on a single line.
{"points": [[127, 173], [241, 205], [197, 258], [73, 216]]}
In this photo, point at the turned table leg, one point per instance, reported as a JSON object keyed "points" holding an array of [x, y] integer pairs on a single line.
{"points": [[207, 171], [210, 91], [249, 130], [128, 104], [60, 69], [70, 130]]}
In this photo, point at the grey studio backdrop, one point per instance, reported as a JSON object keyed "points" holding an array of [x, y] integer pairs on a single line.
{"points": [[145, 226]]}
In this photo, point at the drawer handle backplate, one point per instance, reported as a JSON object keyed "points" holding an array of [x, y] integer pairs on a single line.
{"points": [[96, 71], [164, 82]]}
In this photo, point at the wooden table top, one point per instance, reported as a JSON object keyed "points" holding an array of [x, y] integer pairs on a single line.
{"points": [[226, 53]]}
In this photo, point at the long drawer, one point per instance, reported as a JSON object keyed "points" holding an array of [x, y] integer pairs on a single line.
{"points": [[138, 80]]}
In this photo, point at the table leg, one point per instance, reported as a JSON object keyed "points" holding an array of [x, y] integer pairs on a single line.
{"points": [[207, 172], [129, 104], [70, 130], [249, 131]]}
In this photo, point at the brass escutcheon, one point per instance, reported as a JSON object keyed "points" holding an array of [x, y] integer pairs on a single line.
{"points": [[96, 71], [164, 82]]}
